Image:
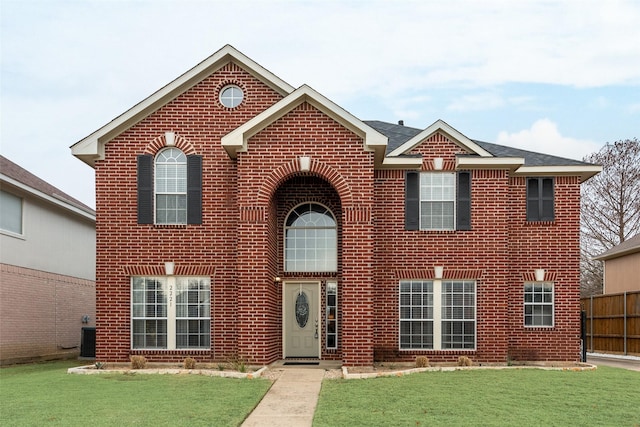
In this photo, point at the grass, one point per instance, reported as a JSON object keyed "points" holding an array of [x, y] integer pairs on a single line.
{"points": [[524, 397], [45, 395]]}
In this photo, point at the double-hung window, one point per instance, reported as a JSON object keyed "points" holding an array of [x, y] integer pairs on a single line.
{"points": [[438, 200], [437, 314], [311, 239], [538, 304], [540, 196], [171, 312], [169, 188]]}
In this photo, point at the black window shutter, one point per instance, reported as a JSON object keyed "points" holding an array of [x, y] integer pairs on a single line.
{"points": [[533, 199], [412, 201], [463, 202], [194, 189], [546, 205], [145, 189]]}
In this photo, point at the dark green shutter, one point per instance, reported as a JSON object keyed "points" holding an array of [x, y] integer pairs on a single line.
{"points": [[194, 189], [145, 189], [463, 201], [412, 201]]}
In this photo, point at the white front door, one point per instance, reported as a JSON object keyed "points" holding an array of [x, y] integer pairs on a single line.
{"points": [[301, 319]]}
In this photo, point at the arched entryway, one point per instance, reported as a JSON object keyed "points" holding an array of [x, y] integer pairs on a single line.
{"points": [[305, 230]]}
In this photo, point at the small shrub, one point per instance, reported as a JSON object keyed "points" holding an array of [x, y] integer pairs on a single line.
{"points": [[237, 363], [464, 361], [138, 362], [189, 363], [221, 366], [100, 365], [422, 362]]}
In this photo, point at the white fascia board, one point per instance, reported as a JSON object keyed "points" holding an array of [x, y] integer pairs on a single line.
{"points": [[409, 163], [91, 148], [236, 140], [440, 125], [58, 201], [511, 163], [584, 172]]}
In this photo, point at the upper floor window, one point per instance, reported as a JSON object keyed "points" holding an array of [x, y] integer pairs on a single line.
{"points": [[311, 239], [231, 96], [10, 213], [171, 187], [438, 200], [540, 193]]}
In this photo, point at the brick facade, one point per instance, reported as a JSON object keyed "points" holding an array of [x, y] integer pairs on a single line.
{"points": [[42, 314], [246, 199]]}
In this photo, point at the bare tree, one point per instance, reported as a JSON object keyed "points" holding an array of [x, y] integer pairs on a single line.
{"points": [[610, 207]]}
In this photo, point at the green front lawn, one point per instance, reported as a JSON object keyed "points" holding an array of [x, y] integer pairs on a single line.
{"points": [[45, 395], [522, 397]]}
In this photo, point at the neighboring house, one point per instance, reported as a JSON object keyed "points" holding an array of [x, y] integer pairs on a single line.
{"points": [[622, 267], [47, 268], [238, 215]]}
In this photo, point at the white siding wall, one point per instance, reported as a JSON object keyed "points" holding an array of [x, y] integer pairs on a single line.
{"points": [[54, 240]]}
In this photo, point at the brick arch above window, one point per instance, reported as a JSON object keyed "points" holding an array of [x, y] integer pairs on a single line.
{"points": [[160, 142], [292, 168]]}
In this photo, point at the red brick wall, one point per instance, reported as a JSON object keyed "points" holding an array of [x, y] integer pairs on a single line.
{"points": [[42, 314], [209, 249], [239, 244]]}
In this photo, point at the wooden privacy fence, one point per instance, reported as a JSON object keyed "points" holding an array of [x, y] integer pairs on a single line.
{"points": [[613, 323]]}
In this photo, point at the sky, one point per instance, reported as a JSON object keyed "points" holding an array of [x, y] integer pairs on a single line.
{"points": [[557, 77]]}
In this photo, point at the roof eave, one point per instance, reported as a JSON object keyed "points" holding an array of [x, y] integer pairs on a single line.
{"points": [[236, 140], [91, 148], [510, 163], [440, 126], [584, 172]]}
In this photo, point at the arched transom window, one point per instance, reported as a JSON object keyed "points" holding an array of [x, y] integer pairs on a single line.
{"points": [[171, 187], [311, 239]]}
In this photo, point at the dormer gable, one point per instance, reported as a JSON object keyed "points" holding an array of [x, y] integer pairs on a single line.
{"points": [[237, 140]]}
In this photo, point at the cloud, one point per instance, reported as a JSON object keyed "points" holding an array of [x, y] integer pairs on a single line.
{"points": [[544, 137]]}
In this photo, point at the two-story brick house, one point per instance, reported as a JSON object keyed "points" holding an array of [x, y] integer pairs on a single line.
{"points": [[237, 215]]}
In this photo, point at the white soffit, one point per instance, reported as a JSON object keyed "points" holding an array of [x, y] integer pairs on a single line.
{"points": [[584, 172], [91, 148], [511, 163], [236, 140], [441, 126]]}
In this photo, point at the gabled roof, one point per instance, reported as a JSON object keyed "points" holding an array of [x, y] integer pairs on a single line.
{"points": [[627, 247], [91, 148], [236, 140], [21, 178], [482, 155]]}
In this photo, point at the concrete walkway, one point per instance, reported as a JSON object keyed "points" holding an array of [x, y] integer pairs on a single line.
{"points": [[290, 402], [631, 363]]}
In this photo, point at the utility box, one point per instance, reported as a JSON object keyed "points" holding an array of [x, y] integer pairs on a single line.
{"points": [[88, 342]]}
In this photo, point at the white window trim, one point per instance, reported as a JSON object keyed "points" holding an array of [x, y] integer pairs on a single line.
{"points": [[22, 234], [169, 287], [552, 304], [232, 99], [455, 189], [284, 237], [156, 193], [437, 317]]}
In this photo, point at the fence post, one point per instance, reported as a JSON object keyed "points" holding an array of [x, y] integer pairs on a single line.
{"points": [[583, 333], [625, 323], [591, 323]]}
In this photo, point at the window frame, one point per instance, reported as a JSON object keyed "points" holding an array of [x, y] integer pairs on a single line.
{"points": [[169, 289], [333, 267], [233, 101], [437, 319], [535, 204], [453, 199], [20, 200], [539, 304], [183, 165]]}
